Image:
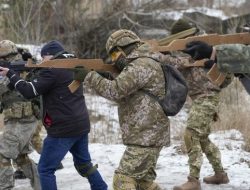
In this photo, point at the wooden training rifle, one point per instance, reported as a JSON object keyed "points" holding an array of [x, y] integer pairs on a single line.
{"points": [[91, 64], [215, 76], [175, 45]]}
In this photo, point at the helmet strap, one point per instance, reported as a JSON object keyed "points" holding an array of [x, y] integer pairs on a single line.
{"points": [[121, 50]]}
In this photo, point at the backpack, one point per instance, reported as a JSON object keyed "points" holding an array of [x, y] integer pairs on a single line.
{"points": [[176, 90]]}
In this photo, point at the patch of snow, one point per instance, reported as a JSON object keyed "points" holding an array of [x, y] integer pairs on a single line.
{"points": [[172, 167]]}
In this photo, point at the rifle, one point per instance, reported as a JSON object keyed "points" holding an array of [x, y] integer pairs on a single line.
{"points": [[91, 64], [179, 44], [18, 66], [165, 41], [211, 39]]}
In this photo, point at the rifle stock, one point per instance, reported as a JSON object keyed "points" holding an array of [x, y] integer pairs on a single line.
{"points": [[91, 64], [165, 41], [18, 66], [211, 39]]}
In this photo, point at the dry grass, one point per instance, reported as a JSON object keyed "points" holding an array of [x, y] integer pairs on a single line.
{"points": [[234, 111]]}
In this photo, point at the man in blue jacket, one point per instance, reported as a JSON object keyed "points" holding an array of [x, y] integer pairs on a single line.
{"points": [[65, 118]]}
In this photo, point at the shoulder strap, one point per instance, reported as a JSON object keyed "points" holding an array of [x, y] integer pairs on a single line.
{"points": [[199, 63]]}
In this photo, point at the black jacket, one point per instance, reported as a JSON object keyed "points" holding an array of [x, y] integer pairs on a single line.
{"points": [[67, 111]]}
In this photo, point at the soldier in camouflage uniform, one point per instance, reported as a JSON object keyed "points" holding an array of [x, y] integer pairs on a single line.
{"points": [[203, 113], [144, 125], [19, 127], [36, 140]]}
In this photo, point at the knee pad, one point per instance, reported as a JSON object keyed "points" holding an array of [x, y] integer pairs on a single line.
{"points": [[86, 169], [123, 182], [4, 162]]}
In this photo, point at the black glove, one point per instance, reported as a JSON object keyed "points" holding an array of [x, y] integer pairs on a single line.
{"points": [[239, 75], [209, 64], [106, 74], [198, 50], [25, 55], [80, 73]]}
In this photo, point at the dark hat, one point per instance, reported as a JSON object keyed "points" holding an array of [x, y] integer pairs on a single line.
{"points": [[52, 48]]}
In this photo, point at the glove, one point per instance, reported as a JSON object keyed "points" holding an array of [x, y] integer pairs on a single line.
{"points": [[25, 55], [239, 75], [80, 73], [198, 50], [106, 74], [209, 64]]}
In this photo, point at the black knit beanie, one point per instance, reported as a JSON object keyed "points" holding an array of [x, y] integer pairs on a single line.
{"points": [[52, 48]]}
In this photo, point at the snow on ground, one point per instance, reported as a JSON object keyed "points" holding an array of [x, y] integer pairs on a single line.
{"points": [[172, 168]]}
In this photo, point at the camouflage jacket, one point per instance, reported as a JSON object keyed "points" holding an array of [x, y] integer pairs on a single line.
{"points": [[198, 83], [13, 104], [233, 53], [142, 120]]}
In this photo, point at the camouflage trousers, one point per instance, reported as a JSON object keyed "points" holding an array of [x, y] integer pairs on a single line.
{"points": [[137, 168], [15, 145], [37, 141], [201, 116], [196, 146]]}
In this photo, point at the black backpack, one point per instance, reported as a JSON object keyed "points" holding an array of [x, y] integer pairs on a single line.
{"points": [[176, 90]]}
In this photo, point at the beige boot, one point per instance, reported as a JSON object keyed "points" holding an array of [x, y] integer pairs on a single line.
{"points": [[149, 185], [217, 178], [123, 182], [191, 184]]}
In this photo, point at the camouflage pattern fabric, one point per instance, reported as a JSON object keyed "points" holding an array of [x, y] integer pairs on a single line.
{"points": [[19, 127], [142, 120], [139, 163], [123, 182], [233, 58], [6, 174], [196, 146], [37, 141], [29, 169], [144, 125], [196, 77], [202, 114], [205, 96]]}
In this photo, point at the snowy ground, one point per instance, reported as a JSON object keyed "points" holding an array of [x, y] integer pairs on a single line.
{"points": [[172, 166]]}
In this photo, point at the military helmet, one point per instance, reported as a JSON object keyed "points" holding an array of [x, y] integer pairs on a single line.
{"points": [[7, 48], [121, 38], [180, 25]]}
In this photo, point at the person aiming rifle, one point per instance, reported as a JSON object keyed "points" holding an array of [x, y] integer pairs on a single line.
{"points": [[19, 125]]}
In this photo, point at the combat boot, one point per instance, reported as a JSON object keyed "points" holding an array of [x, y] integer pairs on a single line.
{"points": [[148, 185], [191, 184], [18, 174], [217, 178]]}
